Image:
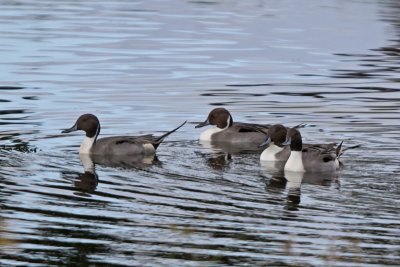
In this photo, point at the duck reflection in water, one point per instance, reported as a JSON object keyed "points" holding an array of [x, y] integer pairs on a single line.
{"points": [[292, 181], [219, 161], [125, 161], [87, 182], [296, 179], [228, 148], [228, 134]]}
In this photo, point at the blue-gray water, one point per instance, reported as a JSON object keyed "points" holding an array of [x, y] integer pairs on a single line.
{"points": [[146, 66]]}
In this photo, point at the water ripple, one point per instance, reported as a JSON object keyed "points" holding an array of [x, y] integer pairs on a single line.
{"points": [[144, 67]]}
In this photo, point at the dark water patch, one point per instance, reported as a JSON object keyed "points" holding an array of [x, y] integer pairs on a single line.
{"points": [[336, 85], [389, 51], [249, 85], [12, 111], [376, 88], [20, 147], [357, 74], [198, 205], [70, 254], [355, 55], [5, 87], [31, 98], [60, 214], [204, 2], [231, 94]]}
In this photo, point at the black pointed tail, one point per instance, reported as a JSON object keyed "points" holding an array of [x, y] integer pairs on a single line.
{"points": [[340, 150], [161, 138], [301, 125]]}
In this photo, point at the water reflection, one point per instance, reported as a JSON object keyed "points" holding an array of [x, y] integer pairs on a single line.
{"points": [[218, 161], [292, 181], [181, 58], [274, 167], [230, 148], [293, 186], [126, 161], [77, 253], [88, 180]]}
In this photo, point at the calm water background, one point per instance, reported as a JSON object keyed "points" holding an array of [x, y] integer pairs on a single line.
{"points": [[146, 66]]}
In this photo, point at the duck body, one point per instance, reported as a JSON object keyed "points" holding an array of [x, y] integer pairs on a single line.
{"points": [[311, 159], [124, 145], [224, 130], [117, 145]]}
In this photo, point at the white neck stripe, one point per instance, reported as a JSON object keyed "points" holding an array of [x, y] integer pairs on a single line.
{"points": [[88, 142], [227, 122]]}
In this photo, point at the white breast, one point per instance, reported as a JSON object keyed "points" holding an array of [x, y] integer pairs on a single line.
{"points": [[295, 162], [269, 154], [206, 135], [86, 145]]}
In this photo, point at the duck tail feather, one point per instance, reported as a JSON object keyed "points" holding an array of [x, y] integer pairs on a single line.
{"points": [[339, 150], [162, 137], [301, 125], [342, 150]]}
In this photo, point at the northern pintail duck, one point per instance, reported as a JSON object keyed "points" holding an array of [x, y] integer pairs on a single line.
{"points": [[311, 159], [276, 151], [117, 145], [227, 131]]}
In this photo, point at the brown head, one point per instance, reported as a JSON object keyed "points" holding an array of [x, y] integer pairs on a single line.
{"points": [[277, 133], [219, 117], [88, 123]]}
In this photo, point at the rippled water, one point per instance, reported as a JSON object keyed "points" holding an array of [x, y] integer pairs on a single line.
{"points": [[146, 66]]}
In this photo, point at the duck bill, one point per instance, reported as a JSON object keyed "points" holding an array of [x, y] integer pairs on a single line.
{"points": [[205, 123], [72, 129], [287, 142], [266, 142]]}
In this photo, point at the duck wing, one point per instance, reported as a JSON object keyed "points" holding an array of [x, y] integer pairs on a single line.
{"points": [[335, 148], [148, 138], [321, 152], [320, 148], [141, 139], [242, 127]]}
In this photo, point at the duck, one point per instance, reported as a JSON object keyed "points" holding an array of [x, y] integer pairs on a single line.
{"points": [[225, 130], [276, 151], [311, 159], [117, 145]]}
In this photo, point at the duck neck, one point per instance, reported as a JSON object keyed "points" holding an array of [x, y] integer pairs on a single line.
{"points": [[296, 145], [229, 122], [89, 142], [295, 162]]}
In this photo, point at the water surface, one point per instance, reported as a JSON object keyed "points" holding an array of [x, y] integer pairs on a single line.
{"points": [[145, 67]]}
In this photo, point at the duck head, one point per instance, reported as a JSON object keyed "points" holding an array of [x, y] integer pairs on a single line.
{"points": [[218, 117]]}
